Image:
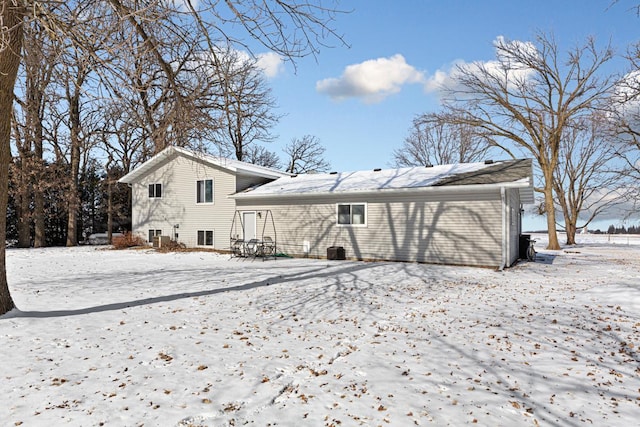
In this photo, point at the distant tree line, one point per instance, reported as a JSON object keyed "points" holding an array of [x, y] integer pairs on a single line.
{"points": [[621, 229]]}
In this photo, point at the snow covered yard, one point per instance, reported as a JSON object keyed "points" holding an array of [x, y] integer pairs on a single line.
{"points": [[130, 338]]}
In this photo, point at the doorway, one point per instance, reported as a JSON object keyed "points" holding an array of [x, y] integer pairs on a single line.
{"points": [[249, 221]]}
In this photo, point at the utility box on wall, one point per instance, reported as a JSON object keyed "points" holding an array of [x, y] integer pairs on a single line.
{"points": [[336, 253]]}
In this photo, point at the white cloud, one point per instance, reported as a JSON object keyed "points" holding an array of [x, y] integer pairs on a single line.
{"points": [[516, 71], [443, 78], [626, 95], [271, 64], [182, 5], [371, 80]]}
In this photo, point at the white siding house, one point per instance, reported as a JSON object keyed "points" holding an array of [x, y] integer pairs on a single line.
{"points": [[466, 214], [184, 195]]}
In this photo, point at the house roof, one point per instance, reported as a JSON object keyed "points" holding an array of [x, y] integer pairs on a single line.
{"points": [[510, 173], [235, 166]]}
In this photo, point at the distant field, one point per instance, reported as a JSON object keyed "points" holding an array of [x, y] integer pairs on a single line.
{"points": [[613, 239]]}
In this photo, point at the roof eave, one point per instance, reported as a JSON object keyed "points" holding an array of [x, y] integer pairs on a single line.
{"points": [[262, 174], [150, 164]]}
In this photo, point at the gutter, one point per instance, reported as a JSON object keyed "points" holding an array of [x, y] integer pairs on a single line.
{"points": [[505, 239]]}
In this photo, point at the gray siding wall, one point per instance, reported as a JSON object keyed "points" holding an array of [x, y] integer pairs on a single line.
{"points": [[178, 203], [434, 227]]}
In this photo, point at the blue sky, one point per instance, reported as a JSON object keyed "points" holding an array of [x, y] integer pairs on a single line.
{"points": [[360, 100]]}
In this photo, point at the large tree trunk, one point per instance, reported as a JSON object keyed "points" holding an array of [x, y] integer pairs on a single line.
{"points": [[24, 204], [10, 53], [109, 210], [72, 233], [22, 191], [39, 240], [570, 220], [38, 189], [38, 68], [571, 232], [551, 220], [73, 96]]}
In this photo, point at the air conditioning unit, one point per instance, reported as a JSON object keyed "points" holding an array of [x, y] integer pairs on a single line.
{"points": [[164, 241], [161, 241]]}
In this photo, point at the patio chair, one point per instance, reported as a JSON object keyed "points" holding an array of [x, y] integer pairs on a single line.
{"points": [[268, 247], [252, 247], [237, 247]]}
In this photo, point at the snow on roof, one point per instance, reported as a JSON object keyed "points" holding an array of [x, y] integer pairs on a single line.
{"points": [[170, 152], [380, 180]]}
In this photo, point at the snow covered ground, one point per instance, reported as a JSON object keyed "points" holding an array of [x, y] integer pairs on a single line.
{"points": [[135, 337]]}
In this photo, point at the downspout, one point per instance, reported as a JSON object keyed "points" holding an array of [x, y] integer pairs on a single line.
{"points": [[504, 228]]}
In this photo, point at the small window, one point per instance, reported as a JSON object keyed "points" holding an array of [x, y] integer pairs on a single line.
{"points": [[204, 191], [352, 214], [205, 238], [155, 191], [153, 233]]}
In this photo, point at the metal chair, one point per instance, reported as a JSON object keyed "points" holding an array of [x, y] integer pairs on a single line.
{"points": [[252, 247], [268, 247], [237, 247]]}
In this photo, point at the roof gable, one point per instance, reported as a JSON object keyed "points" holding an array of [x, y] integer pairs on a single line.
{"points": [[235, 166], [493, 173]]}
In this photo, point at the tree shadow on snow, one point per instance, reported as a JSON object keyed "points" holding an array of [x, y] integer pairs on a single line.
{"points": [[276, 276]]}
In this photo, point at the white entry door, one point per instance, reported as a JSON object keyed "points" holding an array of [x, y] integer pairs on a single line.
{"points": [[249, 221]]}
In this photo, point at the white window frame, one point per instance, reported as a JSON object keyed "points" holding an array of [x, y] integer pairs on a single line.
{"points": [[155, 187], [205, 245], [366, 214], [204, 187]]}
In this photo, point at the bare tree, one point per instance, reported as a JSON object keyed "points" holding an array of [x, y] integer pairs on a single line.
{"points": [[39, 63], [435, 139], [168, 111], [22, 182], [586, 181], [293, 28], [306, 155], [247, 103], [32, 99], [11, 39], [76, 74], [525, 98], [259, 155], [625, 130]]}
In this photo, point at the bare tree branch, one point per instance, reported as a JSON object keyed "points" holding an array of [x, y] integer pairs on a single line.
{"points": [[437, 139], [306, 155]]}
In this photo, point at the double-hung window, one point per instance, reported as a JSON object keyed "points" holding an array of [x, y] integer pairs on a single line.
{"points": [[352, 214], [153, 233], [205, 237], [204, 191], [155, 191]]}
